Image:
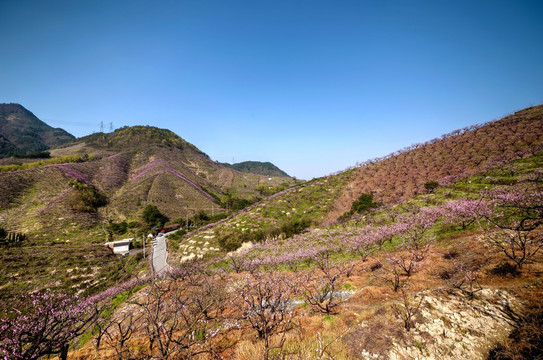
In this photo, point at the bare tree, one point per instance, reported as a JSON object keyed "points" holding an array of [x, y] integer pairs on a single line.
{"points": [[265, 305], [514, 225], [321, 291], [175, 317], [408, 309], [119, 329]]}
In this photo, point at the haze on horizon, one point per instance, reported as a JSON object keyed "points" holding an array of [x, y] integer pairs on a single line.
{"points": [[311, 86]]}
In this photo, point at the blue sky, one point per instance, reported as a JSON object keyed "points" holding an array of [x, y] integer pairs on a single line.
{"points": [[312, 86]]}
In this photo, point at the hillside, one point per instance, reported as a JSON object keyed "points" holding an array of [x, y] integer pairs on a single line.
{"points": [[91, 185], [139, 165], [458, 154], [420, 276], [257, 167], [390, 180], [21, 132]]}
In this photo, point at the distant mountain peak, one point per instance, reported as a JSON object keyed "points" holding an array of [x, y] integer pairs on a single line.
{"points": [[23, 133], [258, 167]]}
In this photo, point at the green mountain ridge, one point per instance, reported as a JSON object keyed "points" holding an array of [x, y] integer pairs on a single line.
{"points": [[257, 167]]}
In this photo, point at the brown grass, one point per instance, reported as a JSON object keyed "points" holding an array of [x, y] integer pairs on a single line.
{"points": [[401, 177]]}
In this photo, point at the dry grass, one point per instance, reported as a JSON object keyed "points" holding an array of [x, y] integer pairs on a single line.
{"points": [[366, 323]]}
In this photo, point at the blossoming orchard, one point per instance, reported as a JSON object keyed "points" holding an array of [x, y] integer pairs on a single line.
{"points": [[193, 312]]}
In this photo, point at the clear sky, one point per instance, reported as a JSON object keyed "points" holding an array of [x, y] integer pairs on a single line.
{"points": [[312, 86]]}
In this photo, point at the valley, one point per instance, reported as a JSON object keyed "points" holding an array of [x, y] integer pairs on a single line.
{"points": [[433, 251]]}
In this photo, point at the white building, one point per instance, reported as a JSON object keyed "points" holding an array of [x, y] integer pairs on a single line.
{"points": [[120, 247]]}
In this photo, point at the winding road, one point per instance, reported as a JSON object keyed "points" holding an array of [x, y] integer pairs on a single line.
{"points": [[160, 255]]}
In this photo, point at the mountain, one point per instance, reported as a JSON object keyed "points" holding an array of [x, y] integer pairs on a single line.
{"points": [[445, 236], [21, 132], [131, 166], [257, 167]]}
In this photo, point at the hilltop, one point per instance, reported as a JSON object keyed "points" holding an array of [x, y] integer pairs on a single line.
{"points": [[21, 132], [257, 167]]}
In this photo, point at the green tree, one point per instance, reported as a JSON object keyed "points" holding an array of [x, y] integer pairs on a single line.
{"points": [[153, 217], [430, 186], [363, 204]]}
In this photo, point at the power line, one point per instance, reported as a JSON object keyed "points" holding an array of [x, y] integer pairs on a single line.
{"points": [[71, 123]]}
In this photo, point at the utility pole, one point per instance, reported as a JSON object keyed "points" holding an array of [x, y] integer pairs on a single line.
{"points": [[111, 127], [101, 126]]}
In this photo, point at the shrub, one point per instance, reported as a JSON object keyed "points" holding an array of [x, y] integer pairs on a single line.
{"points": [[228, 243], [86, 197], [153, 217], [376, 266], [119, 228], [505, 269], [430, 186], [177, 235], [446, 274], [295, 226], [361, 205]]}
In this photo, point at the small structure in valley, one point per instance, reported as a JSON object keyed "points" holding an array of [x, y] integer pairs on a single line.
{"points": [[120, 247]]}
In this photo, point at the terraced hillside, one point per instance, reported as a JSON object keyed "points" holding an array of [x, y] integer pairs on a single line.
{"points": [[73, 200], [458, 154], [131, 167], [430, 277]]}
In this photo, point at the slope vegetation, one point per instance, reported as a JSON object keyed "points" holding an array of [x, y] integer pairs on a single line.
{"points": [[430, 277], [459, 154], [450, 272]]}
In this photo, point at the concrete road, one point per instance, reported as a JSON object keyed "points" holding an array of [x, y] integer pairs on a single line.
{"points": [[160, 255]]}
